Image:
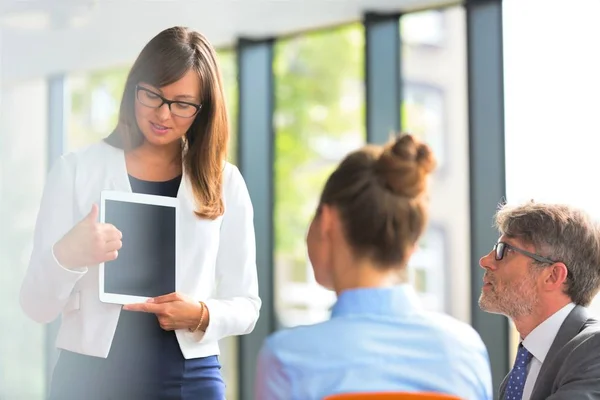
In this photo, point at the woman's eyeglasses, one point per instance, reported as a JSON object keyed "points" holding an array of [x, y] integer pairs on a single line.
{"points": [[179, 108]]}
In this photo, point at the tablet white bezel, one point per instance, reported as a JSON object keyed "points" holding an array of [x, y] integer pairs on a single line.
{"points": [[139, 198]]}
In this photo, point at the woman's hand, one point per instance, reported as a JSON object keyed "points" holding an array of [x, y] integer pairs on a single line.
{"points": [[88, 243], [174, 311]]}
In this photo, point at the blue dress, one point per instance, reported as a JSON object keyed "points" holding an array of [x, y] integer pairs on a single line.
{"points": [[145, 361]]}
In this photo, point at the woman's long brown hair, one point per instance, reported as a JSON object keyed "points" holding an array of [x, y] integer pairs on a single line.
{"points": [[164, 60]]}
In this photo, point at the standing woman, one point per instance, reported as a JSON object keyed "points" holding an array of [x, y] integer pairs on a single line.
{"points": [[171, 140]]}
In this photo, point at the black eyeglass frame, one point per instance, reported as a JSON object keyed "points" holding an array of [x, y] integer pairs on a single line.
{"points": [[168, 102], [500, 250]]}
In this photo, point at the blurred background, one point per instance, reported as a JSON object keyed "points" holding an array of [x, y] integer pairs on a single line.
{"points": [[505, 92]]}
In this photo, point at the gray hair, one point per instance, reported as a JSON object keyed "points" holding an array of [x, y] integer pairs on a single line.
{"points": [[561, 233]]}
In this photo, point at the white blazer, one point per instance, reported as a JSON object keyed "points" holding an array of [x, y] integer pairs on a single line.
{"points": [[217, 262]]}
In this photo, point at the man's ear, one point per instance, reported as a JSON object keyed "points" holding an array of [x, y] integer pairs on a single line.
{"points": [[556, 276]]}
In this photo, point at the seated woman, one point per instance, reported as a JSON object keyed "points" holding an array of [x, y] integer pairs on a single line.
{"points": [[372, 212]]}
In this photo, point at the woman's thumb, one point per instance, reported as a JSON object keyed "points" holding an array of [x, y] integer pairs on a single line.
{"points": [[93, 215]]}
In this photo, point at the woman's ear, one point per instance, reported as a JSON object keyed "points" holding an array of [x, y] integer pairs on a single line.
{"points": [[411, 250], [325, 219]]}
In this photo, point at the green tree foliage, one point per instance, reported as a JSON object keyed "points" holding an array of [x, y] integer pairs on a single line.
{"points": [[319, 99], [95, 100], [228, 62]]}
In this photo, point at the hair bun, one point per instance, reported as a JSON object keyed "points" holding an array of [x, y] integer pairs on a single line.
{"points": [[404, 166]]}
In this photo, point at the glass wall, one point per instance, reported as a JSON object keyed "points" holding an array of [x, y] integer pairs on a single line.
{"points": [[228, 62], [23, 168], [95, 100], [434, 107], [319, 118], [229, 346]]}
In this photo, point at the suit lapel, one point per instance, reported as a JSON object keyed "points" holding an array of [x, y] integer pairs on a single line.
{"points": [[572, 325], [503, 386]]}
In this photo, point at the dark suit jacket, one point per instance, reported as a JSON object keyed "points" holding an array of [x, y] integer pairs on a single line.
{"points": [[571, 370]]}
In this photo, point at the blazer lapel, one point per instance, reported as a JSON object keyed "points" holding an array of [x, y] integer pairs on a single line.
{"points": [[573, 324], [185, 194], [117, 171]]}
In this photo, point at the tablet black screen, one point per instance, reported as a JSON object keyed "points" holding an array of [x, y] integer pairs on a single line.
{"points": [[146, 262]]}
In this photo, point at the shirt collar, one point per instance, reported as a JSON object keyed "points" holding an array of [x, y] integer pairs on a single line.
{"points": [[540, 339], [400, 299]]}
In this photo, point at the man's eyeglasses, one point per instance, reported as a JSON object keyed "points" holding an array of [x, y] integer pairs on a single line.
{"points": [[501, 247], [179, 108]]}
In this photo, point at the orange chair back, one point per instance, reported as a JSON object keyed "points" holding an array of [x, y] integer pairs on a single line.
{"points": [[391, 396]]}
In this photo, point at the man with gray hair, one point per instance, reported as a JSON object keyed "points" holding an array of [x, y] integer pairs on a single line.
{"points": [[542, 273]]}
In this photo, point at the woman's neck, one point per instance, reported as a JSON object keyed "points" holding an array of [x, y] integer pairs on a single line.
{"points": [[158, 155], [364, 274], [154, 163]]}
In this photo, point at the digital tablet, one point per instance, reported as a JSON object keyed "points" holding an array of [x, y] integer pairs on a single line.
{"points": [[146, 264]]}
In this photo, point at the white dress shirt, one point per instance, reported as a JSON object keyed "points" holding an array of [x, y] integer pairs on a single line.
{"points": [[216, 264], [538, 343]]}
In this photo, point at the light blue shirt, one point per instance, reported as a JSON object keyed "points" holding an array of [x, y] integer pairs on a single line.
{"points": [[378, 339]]}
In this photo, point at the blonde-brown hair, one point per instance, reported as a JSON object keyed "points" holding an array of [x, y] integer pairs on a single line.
{"points": [[381, 195], [165, 60]]}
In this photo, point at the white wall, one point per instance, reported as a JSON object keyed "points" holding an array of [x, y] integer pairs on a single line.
{"points": [[552, 101]]}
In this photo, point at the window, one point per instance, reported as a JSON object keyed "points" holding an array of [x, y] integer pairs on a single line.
{"points": [[434, 107], [95, 101], [319, 118], [23, 172], [424, 115], [426, 28], [427, 269], [228, 63], [229, 346]]}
